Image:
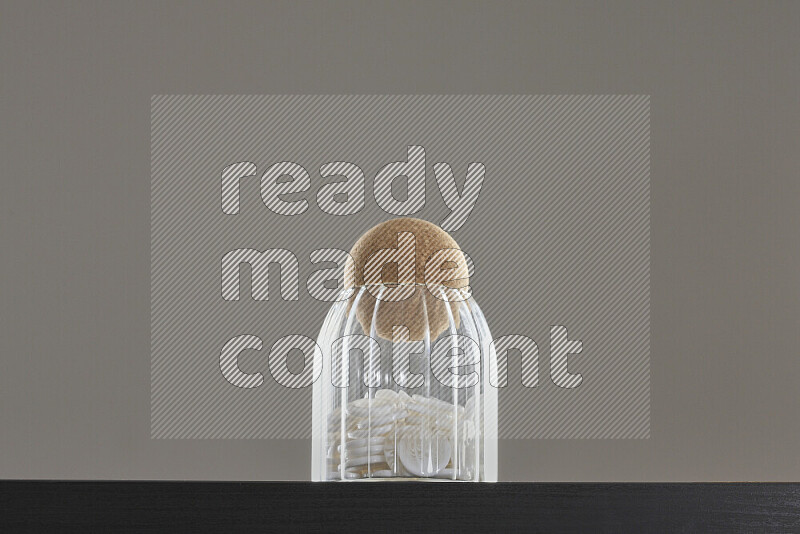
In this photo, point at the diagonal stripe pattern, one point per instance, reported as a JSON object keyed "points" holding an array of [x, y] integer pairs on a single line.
{"points": [[560, 235]]}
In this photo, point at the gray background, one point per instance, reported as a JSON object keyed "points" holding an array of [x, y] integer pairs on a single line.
{"points": [[76, 84]]}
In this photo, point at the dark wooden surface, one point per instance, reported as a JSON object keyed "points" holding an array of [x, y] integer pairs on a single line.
{"points": [[407, 507]]}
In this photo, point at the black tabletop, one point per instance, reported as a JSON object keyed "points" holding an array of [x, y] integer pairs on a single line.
{"points": [[408, 507]]}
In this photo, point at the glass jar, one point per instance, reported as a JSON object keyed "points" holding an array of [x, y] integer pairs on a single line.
{"points": [[404, 391]]}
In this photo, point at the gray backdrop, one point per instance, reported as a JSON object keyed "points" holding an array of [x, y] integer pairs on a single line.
{"points": [[723, 83]]}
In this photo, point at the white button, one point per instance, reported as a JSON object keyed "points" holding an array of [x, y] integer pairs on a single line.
{"points": [[358, 443], [367, 432], [447, 472], [424, 456], [389, 447], [364, 451], [376, 408], [364, 460], [375, 421], [386, 394]]}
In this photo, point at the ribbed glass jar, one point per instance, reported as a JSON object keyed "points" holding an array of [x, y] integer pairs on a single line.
{"points": [[415, 404]]}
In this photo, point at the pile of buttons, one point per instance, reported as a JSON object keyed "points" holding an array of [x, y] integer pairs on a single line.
{"points": [[394, 434]]}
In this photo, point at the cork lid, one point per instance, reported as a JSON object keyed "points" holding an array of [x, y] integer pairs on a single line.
{"points": [[382, 256], [375, 253]]}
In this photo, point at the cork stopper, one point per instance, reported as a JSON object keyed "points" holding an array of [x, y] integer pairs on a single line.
{"points": [[407, 266]]}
